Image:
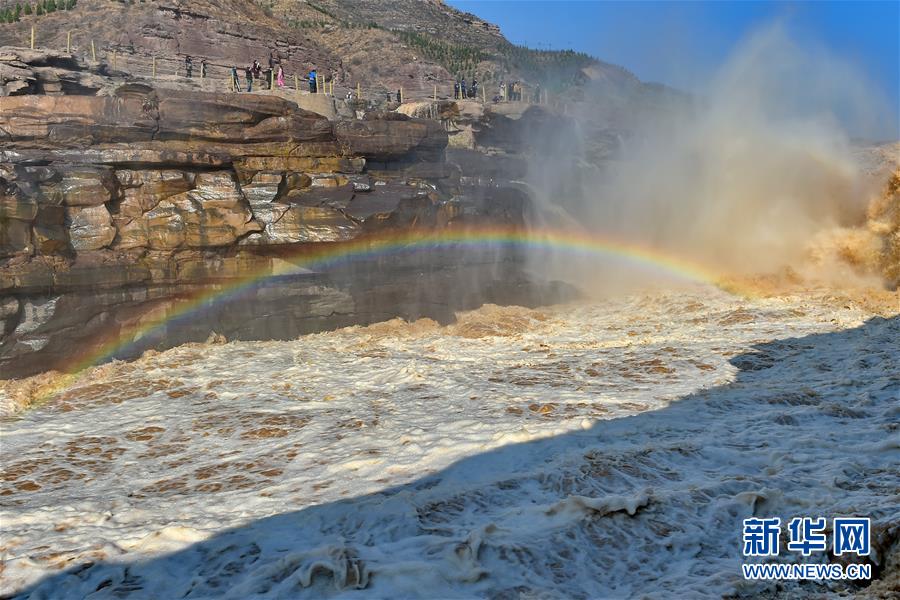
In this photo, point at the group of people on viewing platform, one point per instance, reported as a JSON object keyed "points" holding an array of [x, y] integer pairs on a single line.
{"points": [[267, 78], [189, 66], [388, 96], [460, 91], [511, 92], [274, 76]]}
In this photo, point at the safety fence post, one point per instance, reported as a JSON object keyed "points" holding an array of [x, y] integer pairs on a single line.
{"points": [[323, 86]]}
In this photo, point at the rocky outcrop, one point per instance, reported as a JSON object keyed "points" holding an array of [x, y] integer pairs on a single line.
{"points": [[50, 72], [169, 169], [392, 137], [115, 208], [507, 127]]}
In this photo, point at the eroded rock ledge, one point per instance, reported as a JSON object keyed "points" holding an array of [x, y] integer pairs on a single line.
{"points": [[114, 207]]}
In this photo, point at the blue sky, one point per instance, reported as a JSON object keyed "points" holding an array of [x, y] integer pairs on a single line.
{"points": [[683, 43]]}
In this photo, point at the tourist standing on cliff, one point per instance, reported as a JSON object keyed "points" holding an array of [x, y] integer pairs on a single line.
{"points": [[202, 68], [456, 90], [235, 83], [313, 81], [248, 73], [188, 66], [462, 88], [280, 77]]}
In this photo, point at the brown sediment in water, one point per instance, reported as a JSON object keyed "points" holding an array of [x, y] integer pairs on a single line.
{"points": [[82, 388], [396, 327], [884, 303], [493, 320], [21, 394], [884, 220], [871, 248], [74, 390], [766, 285], [855, 257], [485, 321], [868, 298], [135, 379]]}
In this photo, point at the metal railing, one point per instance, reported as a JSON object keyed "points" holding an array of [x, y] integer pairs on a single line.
{"points": [[223, 79]]}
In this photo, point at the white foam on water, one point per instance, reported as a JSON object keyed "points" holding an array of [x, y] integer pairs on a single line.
{"points": [[594, 450]]}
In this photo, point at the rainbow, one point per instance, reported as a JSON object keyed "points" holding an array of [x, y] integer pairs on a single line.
{"points": [[311, 257]]}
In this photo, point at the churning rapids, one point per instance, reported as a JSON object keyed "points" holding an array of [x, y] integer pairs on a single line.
{"points": [[592, 450]]}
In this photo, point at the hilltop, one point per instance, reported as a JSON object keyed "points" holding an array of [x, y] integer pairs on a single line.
{"points": [[380, 45]]}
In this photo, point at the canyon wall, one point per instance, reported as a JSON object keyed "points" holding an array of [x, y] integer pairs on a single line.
{"points": [[117, 208]]}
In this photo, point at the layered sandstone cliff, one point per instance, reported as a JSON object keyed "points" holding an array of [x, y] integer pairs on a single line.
{"points": [[115, 207]]}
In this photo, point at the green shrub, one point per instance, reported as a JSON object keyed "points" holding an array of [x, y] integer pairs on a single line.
{"points": [[452, 57]]}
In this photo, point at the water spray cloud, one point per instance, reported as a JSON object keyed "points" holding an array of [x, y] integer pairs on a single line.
{"points": [[742, 178]]}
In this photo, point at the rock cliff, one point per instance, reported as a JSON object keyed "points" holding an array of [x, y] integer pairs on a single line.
{"points": [[115, 207], [380, 45]]}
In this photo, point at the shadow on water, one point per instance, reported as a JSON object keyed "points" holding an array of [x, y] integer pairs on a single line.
{"points": [[645, 505]]}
